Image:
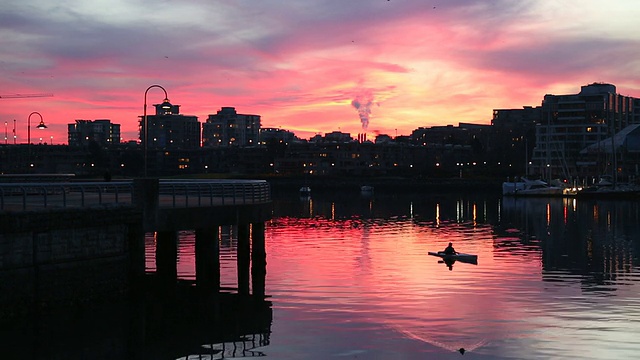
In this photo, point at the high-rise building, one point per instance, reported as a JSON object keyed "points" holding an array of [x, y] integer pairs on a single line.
{"points": [[168, 129], [228, 128], [570, 123], [101, 131]]}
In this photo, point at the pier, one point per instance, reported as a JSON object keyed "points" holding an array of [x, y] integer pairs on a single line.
{"points": [[62, 243]]}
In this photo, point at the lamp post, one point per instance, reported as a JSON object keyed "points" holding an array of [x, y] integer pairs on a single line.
{"points": [[145, 124], [41, 125]]}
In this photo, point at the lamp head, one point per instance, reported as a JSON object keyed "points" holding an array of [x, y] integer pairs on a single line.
{"points": [[166, 106], [41, 125]]}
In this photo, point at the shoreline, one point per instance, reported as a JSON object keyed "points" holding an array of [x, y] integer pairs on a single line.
{"points": [[386, 184]]}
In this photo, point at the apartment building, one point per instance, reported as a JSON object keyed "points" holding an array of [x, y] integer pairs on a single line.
{"points": [[170, 130], [101, 131], [570, 123], [228, 128]]}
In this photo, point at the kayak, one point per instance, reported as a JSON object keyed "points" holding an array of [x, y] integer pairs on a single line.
{"points": [[466, 258]]}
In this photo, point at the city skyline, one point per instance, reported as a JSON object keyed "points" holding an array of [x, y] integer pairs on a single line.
{"points": [[313, 67]]}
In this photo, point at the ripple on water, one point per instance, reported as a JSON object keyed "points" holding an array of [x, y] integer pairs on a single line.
{"points": [[530, 295]]}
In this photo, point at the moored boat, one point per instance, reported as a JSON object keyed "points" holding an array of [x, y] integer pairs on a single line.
{"points": [[619, 191], [527, 187], [366, 189]]}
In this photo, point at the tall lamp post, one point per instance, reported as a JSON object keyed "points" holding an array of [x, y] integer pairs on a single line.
{"points": [[41, 125], [145, 124]]}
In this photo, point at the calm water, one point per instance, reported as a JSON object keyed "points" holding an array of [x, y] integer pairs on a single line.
{"points": [[349, 277]]}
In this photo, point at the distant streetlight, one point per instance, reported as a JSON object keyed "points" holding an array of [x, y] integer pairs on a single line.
{"points": [[40, 126], [165, 105]]}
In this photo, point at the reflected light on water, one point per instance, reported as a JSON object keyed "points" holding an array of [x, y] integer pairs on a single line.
{"points": [[548, 214], [551, 280], [333, 211], [474, 215]]}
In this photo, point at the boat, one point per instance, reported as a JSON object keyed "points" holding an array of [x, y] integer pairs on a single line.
{"points": [[606, 188], [305, 191], [366, 189], [465, 258], [527, 187]]}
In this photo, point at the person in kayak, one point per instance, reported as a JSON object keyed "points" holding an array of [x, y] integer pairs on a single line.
{"points": [[449, 250]]}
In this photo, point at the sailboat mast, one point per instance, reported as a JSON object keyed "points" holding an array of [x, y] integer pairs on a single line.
{"points": [[526, 157], [614, 161]]}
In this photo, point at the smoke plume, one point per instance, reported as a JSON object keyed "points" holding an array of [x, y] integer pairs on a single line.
{"points": [[362, 103]]}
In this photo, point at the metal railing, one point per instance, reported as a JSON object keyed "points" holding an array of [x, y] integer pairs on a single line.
{"points": [[171, 193], [34, 195], [186, 193]]}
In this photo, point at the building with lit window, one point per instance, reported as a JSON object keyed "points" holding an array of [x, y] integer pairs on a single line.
{"points": [[275, 135], [228, 128], [570, 123], [102, 132], [170, 130]]}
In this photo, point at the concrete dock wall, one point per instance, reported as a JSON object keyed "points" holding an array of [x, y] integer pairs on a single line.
{"points": [[60, 257]]}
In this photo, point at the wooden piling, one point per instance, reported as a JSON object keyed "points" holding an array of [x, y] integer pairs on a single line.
{"points": [[207, 255]]}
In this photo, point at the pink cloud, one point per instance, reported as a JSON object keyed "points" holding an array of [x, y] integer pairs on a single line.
{"points": [[298, 67]]}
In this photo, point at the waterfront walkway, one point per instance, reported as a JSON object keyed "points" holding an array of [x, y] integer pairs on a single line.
{"points": [[170, 194], [65, 242]]}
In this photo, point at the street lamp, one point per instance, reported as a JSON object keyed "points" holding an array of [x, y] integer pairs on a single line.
{"points": [[165, 105], [41, 125]]}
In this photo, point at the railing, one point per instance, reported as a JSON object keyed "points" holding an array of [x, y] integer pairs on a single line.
{"points": [[186, 193], [34, 195], [172, 193]]}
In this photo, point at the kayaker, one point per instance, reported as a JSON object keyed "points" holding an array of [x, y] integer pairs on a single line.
{"points": [[449, 250]]}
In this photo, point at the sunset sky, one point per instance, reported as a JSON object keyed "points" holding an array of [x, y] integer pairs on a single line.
{"points": [[307, 66]]}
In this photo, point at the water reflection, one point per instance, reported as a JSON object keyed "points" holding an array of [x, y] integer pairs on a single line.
{"points": [[595, 241], [349, 276], [551, 272], [176, 323], [448, 262]]}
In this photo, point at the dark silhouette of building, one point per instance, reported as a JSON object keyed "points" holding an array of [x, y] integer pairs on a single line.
{"points": [[170, 130], [337, 137], [228, 128], [270, 135], [570, 123], [102, 132]]}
